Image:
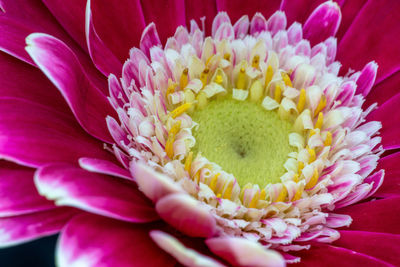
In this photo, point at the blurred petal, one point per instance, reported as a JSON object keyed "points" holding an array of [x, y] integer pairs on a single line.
{"points": [[94, 241], [104, 167], [242, 252], [100, 194]]}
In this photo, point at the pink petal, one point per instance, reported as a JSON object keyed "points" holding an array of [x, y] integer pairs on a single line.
{"points": [[367, 78], [23, 228], [350, 10], [387, 114], [102, 57], [187, 215], [18, 194], [153, 184], [299, 10], [69, 77], [381, 246], [100, 194], [330, 256], [237, 8], [93, 241], [186, 256], [241, 27], [104, 167], [149, 39], [277, 22], [167, 15], [33, 135], [16, 79], [323, 22], [258, 24], [391, 183], [375, 216], [362, 36], [242, 252]]}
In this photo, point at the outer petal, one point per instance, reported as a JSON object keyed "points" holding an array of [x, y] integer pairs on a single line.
{"points": [[94, 241], [153, 184], [33, 135], [323, 22], [373, 17], [18, 194], [184, 255], [384, 90], [387, 114], [187, 215], [237, 8], [381, 246], [83, 98], [330, 256], [242, 252], [102, 57], [375, 216], [299, 10], [391, 183], [196, 9], [23, 228], [104, 167], [72, 186], [350, 10]]}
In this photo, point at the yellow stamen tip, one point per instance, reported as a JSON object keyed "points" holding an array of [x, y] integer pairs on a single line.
{"points": [[286, 79], [227, 56], [219, 79], [320, 120], [300, 166], [313, 181], [298, 194], [268, 75], [184, 78], [256, 61], [204, 76], [241, 79], [302, 100], [282, 195], [328, 139], [263, 194], [312, 154], [254, 200], [180, 110], [188, 161], [213, 182], [278, 93], [321, 105], [169, 145]]}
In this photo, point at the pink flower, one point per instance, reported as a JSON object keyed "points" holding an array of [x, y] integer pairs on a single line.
{"points": [[128, 178]]}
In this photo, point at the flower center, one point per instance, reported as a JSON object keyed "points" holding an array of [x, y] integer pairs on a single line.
{"points": [[244, 139]]}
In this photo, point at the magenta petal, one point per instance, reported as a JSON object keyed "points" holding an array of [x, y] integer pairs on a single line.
{"points": [[373, 21], [299, 10], [198, 9], [186, 256], [323, 22], [153, 184], [330, 256], [375, 216], [242, 252], [18, 194], [102, 57], [384, 90], [69, 77], [167, 15], [186, 214], [33, 135], [104, 167], [349, 10], [16, 81], [237, 8], [391, 183], [381, 246], [93, 241], [388, 115], [367, 78], [100, 194], [23, 228]]}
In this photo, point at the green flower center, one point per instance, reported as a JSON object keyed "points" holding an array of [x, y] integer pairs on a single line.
{"points": [[244, 139]]}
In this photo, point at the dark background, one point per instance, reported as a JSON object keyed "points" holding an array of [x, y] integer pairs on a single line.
{"points": [[38, 253]]}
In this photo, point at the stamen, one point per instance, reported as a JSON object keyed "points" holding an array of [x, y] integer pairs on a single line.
{"points": [[219, 79], [204, 76], [298, 194], [282, 195], [171, 87], [321, 105], [263, 195], [312, 154], [286, 79], [188, 162], [312, 132], [256, 61], [184, 79], [320, 120], [213, 182], [254, 200], [313, 181], [328, 139], [180, 110], [302, 100], [268, 75], [300, 166], [169, 145], [296, 178], [241, 79], [228, 190], [227, 56], [278, 93]]}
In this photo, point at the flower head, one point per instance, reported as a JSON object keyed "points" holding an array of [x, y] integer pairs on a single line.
{"points": [[242, 143]]}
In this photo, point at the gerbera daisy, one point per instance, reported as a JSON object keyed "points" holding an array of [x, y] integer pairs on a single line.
{"points": [[201, 133]]}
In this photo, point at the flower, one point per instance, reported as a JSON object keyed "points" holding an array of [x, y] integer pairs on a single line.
{"points": [[147, 169]]}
